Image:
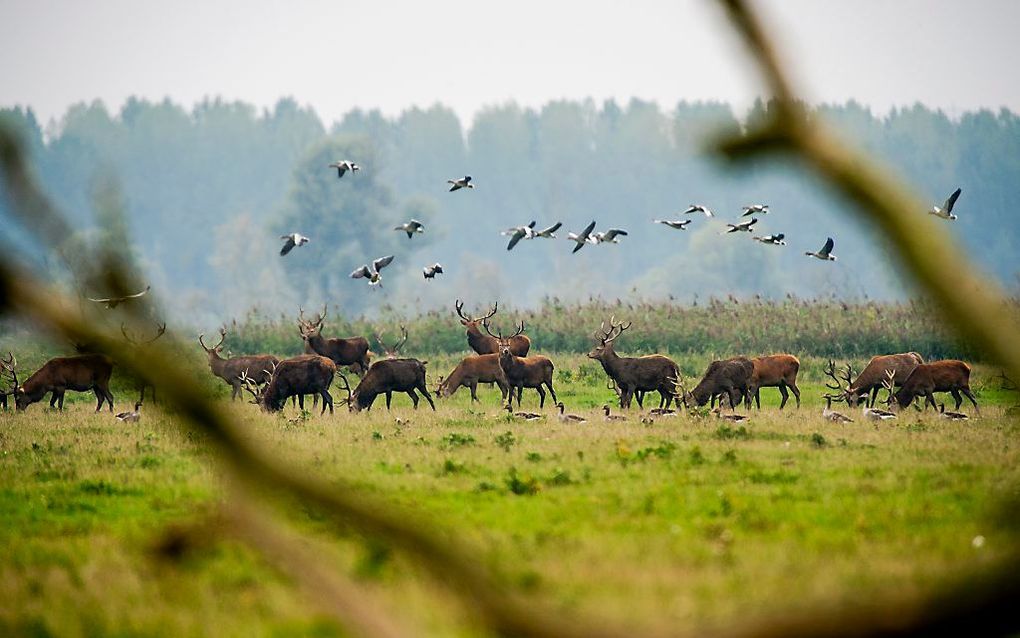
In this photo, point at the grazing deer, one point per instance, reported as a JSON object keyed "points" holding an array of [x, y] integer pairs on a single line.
{"points": [[775, 371], [142, 343], [386, 377], [949, 375], [471, 371], [257, 365], [392, 352], [523, 372], [297, 376], [634, 374], [352, 352], [870, 379], [487, 344], [81, 373], [729, 377]]}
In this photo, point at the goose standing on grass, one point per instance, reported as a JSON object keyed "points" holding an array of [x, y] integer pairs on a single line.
{"points": [[569, 418], [547, 233], [946, 212], [699, 208], [292, 240], [776, 240], [952, 416], [582, 238], [825, 254], [411, 227], [113, 302], [831, 414], [611, 417], [608, 237], [742, 227], [430, 272], [373, 274], [131, 417], [517, 233], [677, 224], [343, 166], [457, 184]]}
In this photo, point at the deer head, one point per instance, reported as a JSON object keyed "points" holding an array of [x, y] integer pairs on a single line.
{"points": [[680, 390], [392, 351], [471, 323], [841, 383], [352, 397], [253, 387], [604, 338], [313, 327], [214, 352], [504, 342]]}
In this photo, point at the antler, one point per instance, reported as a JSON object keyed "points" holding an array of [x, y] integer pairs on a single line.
{"points": [[223, 336], [680, 388], [1006, 382], [459, 306], [250, 385], [491, 312], [618, 328], [403, 340], [347, 387], [160, 330], [485, 324], [519, 331], [830, 371], [10, 366]]}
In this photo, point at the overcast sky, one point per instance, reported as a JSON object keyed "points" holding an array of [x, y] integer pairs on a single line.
{"points": [[339, 54]]}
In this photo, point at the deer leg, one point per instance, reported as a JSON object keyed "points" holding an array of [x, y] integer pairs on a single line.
{"points": [[735, 398], [796, 392], [474, 391], [414, 398], [235, 386], [300, 401], [966, 391], [784, 393], [327, 399], [100, 398], [551, 391], [315, 401], [389, 395], [541, 396], [53, 400], [930, 399], [428, 397], [520, 391], [957, 398]]}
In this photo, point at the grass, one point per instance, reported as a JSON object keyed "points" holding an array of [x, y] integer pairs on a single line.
{"points": [[685, 523]]}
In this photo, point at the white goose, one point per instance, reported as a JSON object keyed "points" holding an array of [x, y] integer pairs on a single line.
{"points": [[517, 233], [608, 237], [776, 240], [946, 211], [825, 254], [457, 184], [831, 414], [699, 208], [677, 224], [292, 240], [430, 272], [411, 227], [742, 227], [343, 166], [547, 233], [755, 209], [569, 418], [131, 417], [581, 238], [372, 274]]}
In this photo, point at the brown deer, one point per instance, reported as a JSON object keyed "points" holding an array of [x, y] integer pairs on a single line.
{"points": [[352, 352], [297, 376], [487, 344], [139, 344], [634, 374], [729, 377], [391, 352], [482, 368], [950, 376], [523, 372], [870, 379], [257, 365], [386, 377], [80, 373], [775, 371]]}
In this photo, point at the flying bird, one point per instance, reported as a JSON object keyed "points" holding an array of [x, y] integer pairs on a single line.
{"points": [[293, 239], [463, 182], [743, 227], [678, 224], [517, 233], [825, 254], [372, 274], [548, 232], [582, 238], [699, 208], [113, 302], [411, 227], [343, 166], [946, 212], [755, 209], [775, 240], [430, 272], [608, 237]]}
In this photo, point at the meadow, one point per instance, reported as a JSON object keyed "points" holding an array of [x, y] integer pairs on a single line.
{"points": [[687, 523]]}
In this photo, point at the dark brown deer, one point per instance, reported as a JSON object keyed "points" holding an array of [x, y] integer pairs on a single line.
{"points": [[523, 372], [729, 377], [296, 377], [139, 344], [257, 365], [486, 343], [775, 371], [634, 374], [870, 379], [950, 376], [80, 373], [482, 368], [352, 352], [386, 377], [392, 352]]}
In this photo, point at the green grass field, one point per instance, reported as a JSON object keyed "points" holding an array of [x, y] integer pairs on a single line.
{"points": [[685, 523]]}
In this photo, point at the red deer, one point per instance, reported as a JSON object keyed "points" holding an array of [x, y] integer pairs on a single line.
{"points": [[79, 374], [487, 344], [523, 372], [870, 379], [775, 371], [140, 343], [352, 352], [386, 377], [634, 374], [295, 377], [729, 377], [949, 375], [257, 365], [483, 368]]}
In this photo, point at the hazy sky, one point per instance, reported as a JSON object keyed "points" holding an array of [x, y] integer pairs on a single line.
{"points": [[340, 54]]}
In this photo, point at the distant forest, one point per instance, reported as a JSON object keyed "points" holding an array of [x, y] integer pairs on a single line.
{"points": [[206, 193]]}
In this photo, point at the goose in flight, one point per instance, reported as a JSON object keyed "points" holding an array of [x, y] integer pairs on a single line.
{"points": [[608, 237], [113, 302], [776, 240], [744, 227], [825, 254], [372, 274], [582, 238], [678, 224], [517, 233], [699, 208], [291, 240], [946, 212], [548, 232], [411, 227], [343, 166], [755, 209], [430, 272], [463, 182]]}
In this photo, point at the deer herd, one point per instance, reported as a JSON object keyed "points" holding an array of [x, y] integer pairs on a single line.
{"points": [[506, 362]]}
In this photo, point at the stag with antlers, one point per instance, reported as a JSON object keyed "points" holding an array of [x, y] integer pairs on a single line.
{"points": [[523, 372], [386, 377], [80, 373], [294, 377], [949, 375], [487, 344], [649, 373], [869, 381], [258, 365], [352, 352]]}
